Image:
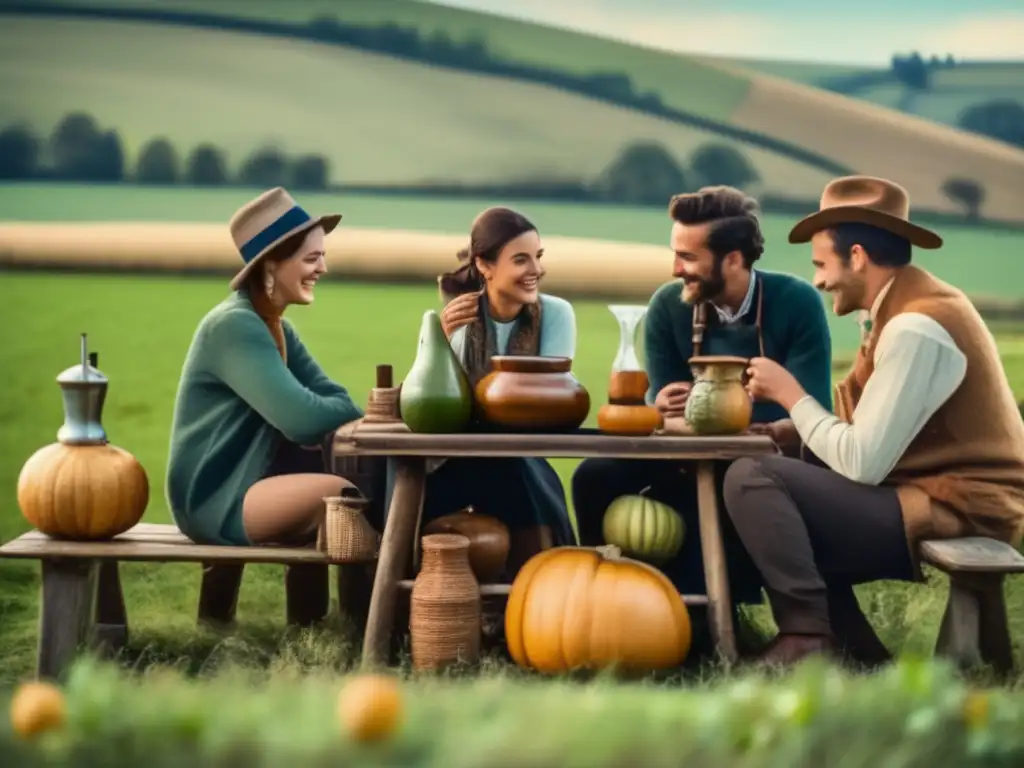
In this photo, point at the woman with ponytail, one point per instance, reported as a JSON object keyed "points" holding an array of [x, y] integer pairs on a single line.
{"points": [[494, 307]]}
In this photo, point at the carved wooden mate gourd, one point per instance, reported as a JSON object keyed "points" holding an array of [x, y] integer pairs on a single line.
{"points": [[82, 487]]}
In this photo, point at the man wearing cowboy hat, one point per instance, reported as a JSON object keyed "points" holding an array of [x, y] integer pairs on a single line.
{"points": [[926, 442]]}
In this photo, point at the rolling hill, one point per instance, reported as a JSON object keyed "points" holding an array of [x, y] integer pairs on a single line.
{"points": [[434, 123], [379, 119]]}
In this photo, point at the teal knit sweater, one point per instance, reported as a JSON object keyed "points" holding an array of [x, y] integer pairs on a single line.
{"points": [[793, 326], [236, 395]]}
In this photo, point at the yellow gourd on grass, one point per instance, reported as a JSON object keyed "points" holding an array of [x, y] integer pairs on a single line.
{"points": [[37, 707], [370, 707]]}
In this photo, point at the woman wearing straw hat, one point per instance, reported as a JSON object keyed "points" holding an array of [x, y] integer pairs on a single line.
{"points": [[251, 396]]}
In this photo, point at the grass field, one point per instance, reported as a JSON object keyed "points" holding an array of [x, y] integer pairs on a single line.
{"points": [[431, 124], [952, 91], [914, 714]]}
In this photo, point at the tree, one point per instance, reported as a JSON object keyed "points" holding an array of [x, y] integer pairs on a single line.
{"points": [[108, 158], [645, 172], [722, 164], [266, 167], [966, 192], [206, 166], [310, 172], [19, 152], [1001, 119], [158, 163], [72, 145]]}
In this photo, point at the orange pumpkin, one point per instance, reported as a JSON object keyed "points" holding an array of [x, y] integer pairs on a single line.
{"points": [[581, 608], [84, 492]]}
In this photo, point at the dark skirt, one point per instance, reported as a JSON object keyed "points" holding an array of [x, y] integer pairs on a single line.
{"points": [[521, 492]]}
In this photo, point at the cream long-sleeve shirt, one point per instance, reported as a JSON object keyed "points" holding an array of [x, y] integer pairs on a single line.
{"points": [[917, 368]]}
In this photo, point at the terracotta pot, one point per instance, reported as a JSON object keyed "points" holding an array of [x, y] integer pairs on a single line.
{"points": [[718, 403], [532, 393], [488, 540], [445, 606], [628, 419]]}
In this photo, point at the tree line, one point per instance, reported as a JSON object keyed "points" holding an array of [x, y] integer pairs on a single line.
{"points": [[80, 149]]}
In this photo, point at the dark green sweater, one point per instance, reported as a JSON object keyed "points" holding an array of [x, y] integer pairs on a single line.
{"points": [[235, 395], [794, 329]]}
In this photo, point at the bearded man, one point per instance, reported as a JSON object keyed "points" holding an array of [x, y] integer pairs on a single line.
{"points": [[926, 442], [718, 304]]}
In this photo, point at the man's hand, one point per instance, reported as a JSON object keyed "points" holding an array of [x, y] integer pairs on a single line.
{"points": [[671, 400], [782, 432], [770, 381], [460, 311]]}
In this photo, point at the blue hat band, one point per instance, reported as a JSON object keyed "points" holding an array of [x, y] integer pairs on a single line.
{"points": [[288, 221]]}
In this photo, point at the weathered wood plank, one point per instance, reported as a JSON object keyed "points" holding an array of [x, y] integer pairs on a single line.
{"points": [[110, 632], [716, 575], [218, 594], [157, 547], [66, 614], [572, 445], [395, 553], [976, 554]]}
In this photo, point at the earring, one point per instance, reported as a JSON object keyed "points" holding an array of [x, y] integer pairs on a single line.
{"points": [[268, 285]]}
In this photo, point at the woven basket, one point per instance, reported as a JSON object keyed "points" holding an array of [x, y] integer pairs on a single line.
{"points": [[382, 405], [346, 535]]}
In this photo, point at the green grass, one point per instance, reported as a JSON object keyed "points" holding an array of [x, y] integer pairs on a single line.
{"points": [[141, 328], [378, 119], [954, 262], [913, 714]]}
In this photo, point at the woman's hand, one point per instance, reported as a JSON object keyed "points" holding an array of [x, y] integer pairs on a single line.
{"points": [[460, 311]]}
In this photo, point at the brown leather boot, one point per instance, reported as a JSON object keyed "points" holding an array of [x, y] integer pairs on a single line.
{"points": [[786, 650]]}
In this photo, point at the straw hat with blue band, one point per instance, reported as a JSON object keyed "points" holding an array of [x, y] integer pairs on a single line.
{"points": [[264, 223]]}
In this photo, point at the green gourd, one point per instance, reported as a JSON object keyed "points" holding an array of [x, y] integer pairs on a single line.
{"points": [[435, 395], [644, 528]]}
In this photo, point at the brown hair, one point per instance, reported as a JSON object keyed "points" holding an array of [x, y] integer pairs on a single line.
{"points": [[492, 230], [283, 251], [733, 218]]}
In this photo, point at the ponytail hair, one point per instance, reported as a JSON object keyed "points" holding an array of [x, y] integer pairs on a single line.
{"points": [[465, 279]]}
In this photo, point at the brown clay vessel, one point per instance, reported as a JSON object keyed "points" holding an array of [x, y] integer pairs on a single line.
{"points": [[532, 394], [640, 420], [488, 540]]}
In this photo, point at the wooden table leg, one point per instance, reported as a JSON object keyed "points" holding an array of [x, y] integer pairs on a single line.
{"points": [[395, 550], [218, 593], [716, 573], [111, 631], [66, 613]]}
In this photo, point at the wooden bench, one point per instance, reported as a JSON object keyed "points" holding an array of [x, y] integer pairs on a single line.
{"points": [[83, 604], [974, 627]]}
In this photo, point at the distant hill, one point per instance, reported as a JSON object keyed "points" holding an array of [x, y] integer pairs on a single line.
{"points": [[424, 122]]}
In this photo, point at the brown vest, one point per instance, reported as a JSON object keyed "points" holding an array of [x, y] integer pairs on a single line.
{"points": [[963, 474]]}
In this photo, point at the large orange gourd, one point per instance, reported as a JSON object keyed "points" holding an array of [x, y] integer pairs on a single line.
{"points": [[581, 608], [82, 487]]}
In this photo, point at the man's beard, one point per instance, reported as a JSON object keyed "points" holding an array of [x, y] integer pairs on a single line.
{"points": [[704, 288]]}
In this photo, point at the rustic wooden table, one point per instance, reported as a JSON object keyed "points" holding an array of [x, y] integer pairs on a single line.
{"points": [[408, 453]]}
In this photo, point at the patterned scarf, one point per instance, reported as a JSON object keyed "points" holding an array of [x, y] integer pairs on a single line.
{"points": [[481, 344], [271, 315]]}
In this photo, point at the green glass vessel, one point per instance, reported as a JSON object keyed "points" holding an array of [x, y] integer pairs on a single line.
{"points": [[436, 396]]}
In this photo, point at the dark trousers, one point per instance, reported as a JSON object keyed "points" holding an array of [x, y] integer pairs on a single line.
{"points": [[598, 482], [813, 534]]}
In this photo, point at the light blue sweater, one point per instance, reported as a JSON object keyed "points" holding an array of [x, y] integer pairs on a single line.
{"points": [[557, 330]]}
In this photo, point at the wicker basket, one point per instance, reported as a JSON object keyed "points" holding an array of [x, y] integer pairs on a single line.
{"points": [[346, 536]]}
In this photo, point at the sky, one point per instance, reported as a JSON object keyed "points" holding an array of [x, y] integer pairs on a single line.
{"points": [[860, 32]]}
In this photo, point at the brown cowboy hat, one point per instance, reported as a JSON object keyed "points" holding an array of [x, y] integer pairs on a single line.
{"points": [[267, 221], [865, 200]]}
